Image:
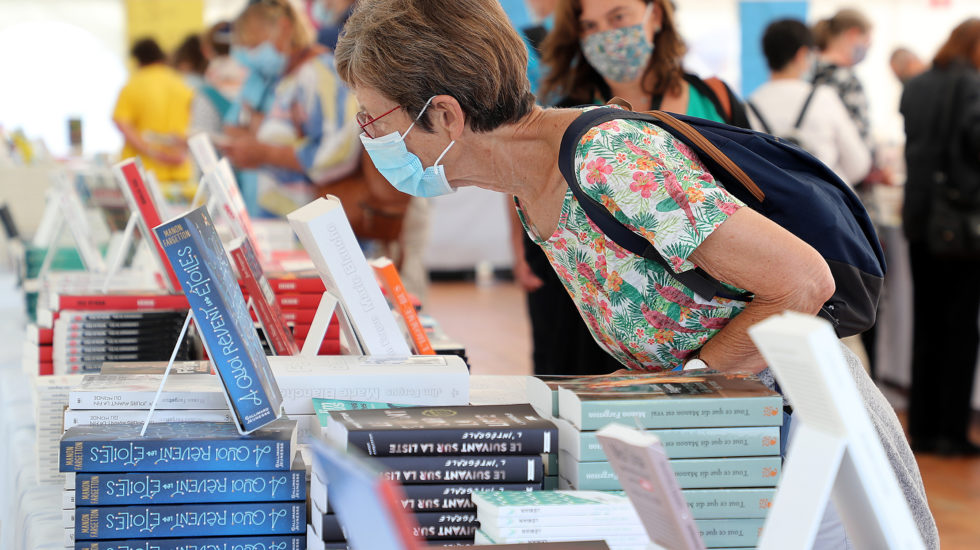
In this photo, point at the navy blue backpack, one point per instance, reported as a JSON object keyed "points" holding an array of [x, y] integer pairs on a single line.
{"points": [[773, 177]]}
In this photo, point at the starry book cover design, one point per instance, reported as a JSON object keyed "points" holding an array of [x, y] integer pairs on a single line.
{"points": [[194, 249], [190, 520], [117, 489], [176, 447]]}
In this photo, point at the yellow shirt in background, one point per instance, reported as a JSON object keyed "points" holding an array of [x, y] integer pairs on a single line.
{"points": [[157, 103]]}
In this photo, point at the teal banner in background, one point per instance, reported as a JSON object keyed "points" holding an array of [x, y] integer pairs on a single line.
{"points": [[754, 17]]}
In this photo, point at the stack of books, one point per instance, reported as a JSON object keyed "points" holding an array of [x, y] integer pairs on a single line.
{"points": [[559, 516], [184, 485], [76, 333], [720, 431], [441, 456], [298, 296]]}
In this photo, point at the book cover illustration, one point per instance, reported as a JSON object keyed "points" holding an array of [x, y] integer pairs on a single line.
{"points": [[477, 430], [194, 249], [190, 520], [177, 447], [116, 489]]}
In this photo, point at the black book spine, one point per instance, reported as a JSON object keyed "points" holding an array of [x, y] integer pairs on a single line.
{"points": [[455, 441], [452, 498], [442, 525], [463, 469]]}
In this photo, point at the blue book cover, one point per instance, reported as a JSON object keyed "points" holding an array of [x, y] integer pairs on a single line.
{"points": [[176, 447], [116, 489], [190, 520], [194, 249], [203, 543]]}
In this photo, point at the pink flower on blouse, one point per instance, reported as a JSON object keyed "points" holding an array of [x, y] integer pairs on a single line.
{"points": [[643, 183], [620, 157], [677, 262], [597, 170]]}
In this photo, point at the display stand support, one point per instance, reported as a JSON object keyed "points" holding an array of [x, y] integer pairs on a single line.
{"points": [[325, 311], [115, 263], [834, 450], [166, 373]]}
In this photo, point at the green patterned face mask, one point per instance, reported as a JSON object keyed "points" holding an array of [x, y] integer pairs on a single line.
{"points": [[619, 55]]}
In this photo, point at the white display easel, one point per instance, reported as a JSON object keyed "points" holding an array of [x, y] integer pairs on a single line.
{"points": [[835, 452], [328, 307]]}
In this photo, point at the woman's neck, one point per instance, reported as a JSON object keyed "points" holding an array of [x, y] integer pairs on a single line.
{"points": [[517, 159], [836, 54]]}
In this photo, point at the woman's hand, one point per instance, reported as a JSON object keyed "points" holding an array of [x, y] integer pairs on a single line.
{"points": [[244, 151], [525, 276], [783, 272]]}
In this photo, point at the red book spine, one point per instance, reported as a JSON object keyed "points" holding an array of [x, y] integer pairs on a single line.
{"points": [[149, 215], [328, 347], [117, 302], [269, 313], [45, 354], [45, 368], [298, 301], [306, 285], [333, 331], [45, 336]]}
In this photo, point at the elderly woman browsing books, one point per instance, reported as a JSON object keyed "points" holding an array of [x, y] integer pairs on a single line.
{"points": [[445, 103]]}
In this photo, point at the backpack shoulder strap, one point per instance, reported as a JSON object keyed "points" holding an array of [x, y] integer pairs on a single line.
{"points": [[720, 91], [697, 279], [806, 105], [758, 115]]}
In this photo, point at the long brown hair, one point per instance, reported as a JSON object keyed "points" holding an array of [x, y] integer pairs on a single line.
{"points": [[846, 19], [961, 45], [570, 75]]}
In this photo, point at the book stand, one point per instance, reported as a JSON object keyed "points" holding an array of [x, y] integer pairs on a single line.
{"points": [[115, 263], [166, 373], [86, 250], [325, 311], [835, 452]]}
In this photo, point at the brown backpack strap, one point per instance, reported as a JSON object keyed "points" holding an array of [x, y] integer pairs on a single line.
{"points": [[709, 148], [721, 92], [701, 143]]}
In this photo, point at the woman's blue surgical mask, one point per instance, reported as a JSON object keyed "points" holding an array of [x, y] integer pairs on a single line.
{"points": [[619, 55], [263, 59], [404, 169]]}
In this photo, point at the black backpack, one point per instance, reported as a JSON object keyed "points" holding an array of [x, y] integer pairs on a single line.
{"points": [[777, 179]]}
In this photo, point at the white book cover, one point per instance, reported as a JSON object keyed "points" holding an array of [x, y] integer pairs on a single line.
{"points": [[203, 152], [835, 450], [646, 475], [424, 380], [327, 236], [74, 417], [135, 392]]}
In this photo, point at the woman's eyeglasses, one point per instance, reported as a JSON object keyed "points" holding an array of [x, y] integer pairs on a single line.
{"points": [[363, 120]]}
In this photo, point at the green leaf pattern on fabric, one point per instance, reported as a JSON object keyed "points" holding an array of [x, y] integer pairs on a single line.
{"points": [[659, 189]]}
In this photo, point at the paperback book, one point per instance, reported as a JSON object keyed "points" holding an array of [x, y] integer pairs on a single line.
{"points": [[462, 469], [692, 399], [467, 430], [282, 542], [179, 447], [190, 520], [193, 248], [691, 473], [118, 489], [263, 299]]}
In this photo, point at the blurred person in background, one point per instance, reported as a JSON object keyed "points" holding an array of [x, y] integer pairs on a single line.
{"points": [[330, 16], [308, 137], [844, 40], [560, 340], [906, 65], [941, 219], [600, 49], [788, 105], [224, 76], [153, 114], [206, 108]]}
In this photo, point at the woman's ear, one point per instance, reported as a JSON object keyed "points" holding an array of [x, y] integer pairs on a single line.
{"points": [[655, 21], [446, 115]]}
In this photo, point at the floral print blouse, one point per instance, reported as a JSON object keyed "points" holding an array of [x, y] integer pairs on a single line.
{"points": [[656, 186]]}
